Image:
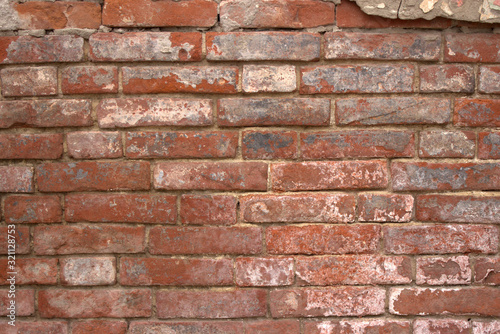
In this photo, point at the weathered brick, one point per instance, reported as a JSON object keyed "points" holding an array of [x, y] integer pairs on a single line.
{"points": [[89, 80], [488, 79], [146, 46], [31, 146], [445, 176], [447, 78], [22, 245], [88, 271], [141, 80], [426, 326], [210, 175], [272, 271], [443, 270], [126, 208], [485, 327], [30, 271], [126, 113], [477, 112], [489, 145], [99, 326], [47, 49], [16, 179], [272, 326], [440, 239], [353, 270], [205, 240], [88, 239], [32, 209], [29, 81], [180, 272], [265, 78], [94, 145], [392, 110], [487, 271], [385, 208], [354, 143], [327, 175], [113, 303], [269, 145], [322, 302], [360, 45], [147, 13], [472, 48], [208, 210], [447, 144], [34, 327], [357, 79], [458, 209], [45, 113], [185, 144], [354, 327], [25, 305], [295, 46], [268, 112], [456, 301], [322, 239], [211, 304], [300, 208], [191, 327]]}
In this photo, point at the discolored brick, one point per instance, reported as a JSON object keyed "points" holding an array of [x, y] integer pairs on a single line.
{"points": [[94, 145], [264, 78], [472, 48], [269, 145], [489, 145], [29, 81], [443, 270], [37, 327], [447, 78], [487, 271], [208, 210], [425, 326], [88, 271], [32, 209], [385, 208], [96, 326], [16, 179], [447, 144], [272, 326], [29, 271], [191, 327], [22, 235], [264, 271], [31, 146], [89, 80], [488, 79], [477, 112], [25, 304], [485, 327], [353, 326]]}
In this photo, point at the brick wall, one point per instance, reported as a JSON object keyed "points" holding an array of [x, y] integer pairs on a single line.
{"points": [[279, 167]]}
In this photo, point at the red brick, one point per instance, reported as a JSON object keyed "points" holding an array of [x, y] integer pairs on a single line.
{"points": [[455, 301], [477, 112], [99, 326], [89, 80], [31, 146], [208, 210], [205, 240], [115, 303], [22, 240], [426, 326], [269, 45], [447, 78], [126, 208], [191, 327], [489, 145], [322, 239], [354, 143], [16, 179], [91, 175], [145, 46], [445, 176], [45, 113], [25, 303], [210, 175], [272, 327], [487, 271], [266, 78], [357, 79], [145, 80], [29, 81], [300, 208], [473, 48], [185, 144], [385, 208], [443, 270], [88, 239], [94, 145], [180, 272], [326, 175], [30, 271], [148, 13], [88, 271], [269, 145], [47, 49], [272, 271], [458, 209], [58, 15], [488, 79], [353, 270], [266, 112], [355, 327], [126, 113], [486, 327], [276, 14], [211, 304], [440, 239], [34, 327], [447, 144], [32, 209], [392, 110], [321, 302], [356, 45]]}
